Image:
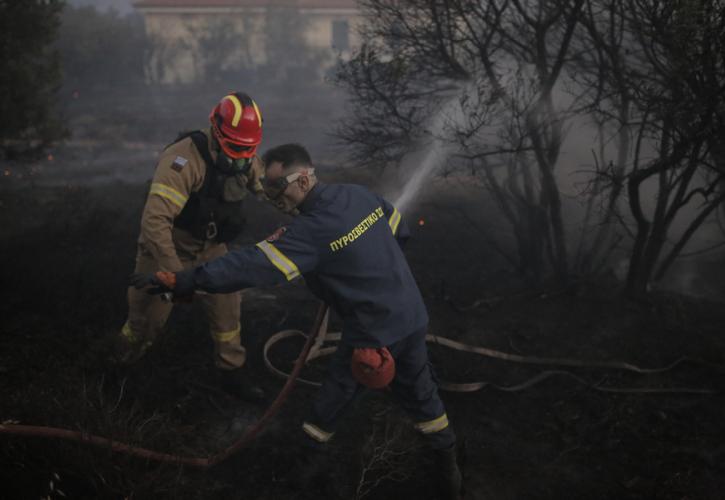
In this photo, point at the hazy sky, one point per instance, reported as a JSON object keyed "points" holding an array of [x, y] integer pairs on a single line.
{"points": [[122, 6]]}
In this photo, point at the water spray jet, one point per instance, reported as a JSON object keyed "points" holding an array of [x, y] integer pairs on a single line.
{"points": [[437, 147]]}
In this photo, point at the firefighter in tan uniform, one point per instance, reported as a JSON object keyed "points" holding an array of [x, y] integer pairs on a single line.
{"points": [[194, 207]]}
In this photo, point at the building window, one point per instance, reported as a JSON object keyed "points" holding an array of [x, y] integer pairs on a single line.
{"points": [[340, 35]]}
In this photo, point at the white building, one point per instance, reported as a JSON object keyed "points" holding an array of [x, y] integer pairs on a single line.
{"points": [[193, 39]]}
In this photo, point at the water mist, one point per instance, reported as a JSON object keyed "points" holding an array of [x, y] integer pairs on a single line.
{"points": [[437, 149]]}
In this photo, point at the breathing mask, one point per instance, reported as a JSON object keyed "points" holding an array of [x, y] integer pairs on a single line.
{"points": [[232, 166]]}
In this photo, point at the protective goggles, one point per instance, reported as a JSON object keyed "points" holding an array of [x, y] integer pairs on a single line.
{"points": [[275, 187]]}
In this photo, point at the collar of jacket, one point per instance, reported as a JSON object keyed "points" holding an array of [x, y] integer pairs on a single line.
{"points": [[312, 198], [213, 143]]}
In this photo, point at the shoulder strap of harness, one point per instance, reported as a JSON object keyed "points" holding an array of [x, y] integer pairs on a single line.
{"points": [[199, 212], [202, 146], [201, 142]]}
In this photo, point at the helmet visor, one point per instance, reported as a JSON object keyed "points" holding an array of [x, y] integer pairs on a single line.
{"points": [[235, 150]]}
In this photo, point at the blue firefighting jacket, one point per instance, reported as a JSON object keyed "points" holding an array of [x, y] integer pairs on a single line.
{"points": [[346, 244]]}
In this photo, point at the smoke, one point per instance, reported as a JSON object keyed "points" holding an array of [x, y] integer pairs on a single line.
{"points": [[123, 7]]}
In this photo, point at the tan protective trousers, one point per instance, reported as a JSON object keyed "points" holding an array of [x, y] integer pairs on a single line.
{"points": [[147, 313]]}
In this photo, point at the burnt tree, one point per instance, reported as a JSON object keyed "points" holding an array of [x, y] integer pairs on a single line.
{"points": [[656, 76], [502, 63]]}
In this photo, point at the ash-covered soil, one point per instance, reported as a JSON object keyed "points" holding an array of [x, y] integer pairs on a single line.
{"points": [[67, 252]]}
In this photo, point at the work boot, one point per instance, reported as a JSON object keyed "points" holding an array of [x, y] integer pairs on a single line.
{"points": [[115, 349], [237, 382], [450, 481]]}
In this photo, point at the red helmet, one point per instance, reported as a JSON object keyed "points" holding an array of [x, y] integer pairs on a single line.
{"points": [[237, 125]]}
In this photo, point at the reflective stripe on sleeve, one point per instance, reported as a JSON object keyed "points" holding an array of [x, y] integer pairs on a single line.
{"points": [[280, 261], [227, 336], [316, 433], [169, 193], [394, 220], [432, 426]]}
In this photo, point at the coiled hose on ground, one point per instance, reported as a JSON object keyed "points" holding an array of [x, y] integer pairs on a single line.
{"points": [[314, 348]]}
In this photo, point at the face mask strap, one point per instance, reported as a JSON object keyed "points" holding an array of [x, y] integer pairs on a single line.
{"points": [[275, 188], [302, 173]]}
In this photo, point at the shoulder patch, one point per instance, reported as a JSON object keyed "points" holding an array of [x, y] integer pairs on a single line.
{"points": [[179, 163], [276, 235]]}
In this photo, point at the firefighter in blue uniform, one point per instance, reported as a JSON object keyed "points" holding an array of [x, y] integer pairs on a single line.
{"points": [[346, 242]]}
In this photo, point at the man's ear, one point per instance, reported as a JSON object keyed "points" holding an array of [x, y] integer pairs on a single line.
{"points": [[305, 183]]}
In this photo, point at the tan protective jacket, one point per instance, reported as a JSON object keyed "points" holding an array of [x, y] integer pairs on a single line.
{"points": [[179, 172]]}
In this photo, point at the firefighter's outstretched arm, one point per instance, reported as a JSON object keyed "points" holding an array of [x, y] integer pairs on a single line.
{"points": [[243, 268], [246, 267], [269, 262]]}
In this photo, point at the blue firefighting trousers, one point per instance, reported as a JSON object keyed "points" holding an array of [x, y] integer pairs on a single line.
{"points": [[414, 386]]}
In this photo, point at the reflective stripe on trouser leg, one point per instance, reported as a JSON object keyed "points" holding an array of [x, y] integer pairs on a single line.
{"points": [[431, 426], [437, 433], [416, 389], [440, 439], [128, 334], [222, 310], [138, 341], [223, 313], [316, 433], [147, 314], [228, 350]]}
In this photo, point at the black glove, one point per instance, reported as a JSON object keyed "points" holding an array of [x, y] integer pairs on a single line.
{"points": [[141, 280]]}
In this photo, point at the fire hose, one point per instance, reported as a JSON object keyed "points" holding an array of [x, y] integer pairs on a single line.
{"points": [[319, 349], [315, 347], [202, 462]]}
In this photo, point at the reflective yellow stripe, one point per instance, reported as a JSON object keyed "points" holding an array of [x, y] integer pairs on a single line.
{"points": [[136, 348], [128, 333], [316, 433], [259, 115], [394, 220], [169, 193], [237, 109], [227, 336], [288, 268], [432, 426]]}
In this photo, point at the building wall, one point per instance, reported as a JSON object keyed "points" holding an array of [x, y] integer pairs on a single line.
{"points": [[192, 45], [319, 34]]}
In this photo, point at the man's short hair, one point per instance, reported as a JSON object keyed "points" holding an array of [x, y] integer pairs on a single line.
{"points": [[289, 155]]}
